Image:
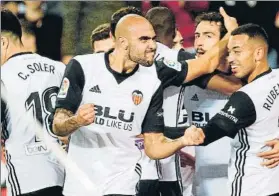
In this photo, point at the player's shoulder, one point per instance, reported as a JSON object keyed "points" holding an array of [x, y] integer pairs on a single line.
{"points": [[55, 63], [89, 57], [262, 83], [93, 60], [59, 66], [165, 52]]}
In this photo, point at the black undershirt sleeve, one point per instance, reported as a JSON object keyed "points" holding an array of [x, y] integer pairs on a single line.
{"points": [[238, 113], [70, 92], [171, 73], [154, 118]]}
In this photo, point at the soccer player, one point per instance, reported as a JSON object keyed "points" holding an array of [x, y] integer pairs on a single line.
{"points": [[202, 104], [127, 99], [32, 83], [100, 39], [163, 51], [163, 22], [250, 116]]}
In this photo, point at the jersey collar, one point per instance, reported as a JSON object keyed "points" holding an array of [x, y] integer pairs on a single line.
{"points": [[18, 54], [119, 77], [263, 74]]}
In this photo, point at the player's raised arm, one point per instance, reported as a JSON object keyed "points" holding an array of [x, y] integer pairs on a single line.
{"points": [[224, 84], [69, 115], [208, 62]]}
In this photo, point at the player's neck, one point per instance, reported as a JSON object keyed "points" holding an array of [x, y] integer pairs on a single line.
{"points": [[261, 68], [120, 63], [15, 49]]}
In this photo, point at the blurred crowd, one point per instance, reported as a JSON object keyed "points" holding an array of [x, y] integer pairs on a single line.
{"points": [[62, 29]]}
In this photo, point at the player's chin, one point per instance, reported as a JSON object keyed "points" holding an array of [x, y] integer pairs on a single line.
{"points": [[148, 63]]}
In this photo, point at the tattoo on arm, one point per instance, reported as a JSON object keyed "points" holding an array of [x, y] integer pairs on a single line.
{"points": [[64, 123]]}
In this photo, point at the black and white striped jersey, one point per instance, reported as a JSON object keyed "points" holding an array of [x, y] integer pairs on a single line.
{"points": [[251, 118], [32, 83]]}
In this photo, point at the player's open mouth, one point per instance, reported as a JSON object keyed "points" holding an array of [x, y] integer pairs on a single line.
{"points": [[234, 68]]}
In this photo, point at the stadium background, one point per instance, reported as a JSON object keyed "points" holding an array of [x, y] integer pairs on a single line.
{"points": [[62, 29]]}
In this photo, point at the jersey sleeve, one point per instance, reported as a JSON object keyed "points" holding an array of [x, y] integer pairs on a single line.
{"points": [[154, 118], [238, 113], [184, 56], [171, 73], [201, 81], [3, 109], [70, 92]]}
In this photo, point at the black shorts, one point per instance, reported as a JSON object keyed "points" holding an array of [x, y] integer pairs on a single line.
{"points": [[148, 188], [170, 188], [50, 191]]}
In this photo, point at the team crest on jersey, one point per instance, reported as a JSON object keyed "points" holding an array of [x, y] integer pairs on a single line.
{"points": [[64, 88], [137, 97], [172, 64]]}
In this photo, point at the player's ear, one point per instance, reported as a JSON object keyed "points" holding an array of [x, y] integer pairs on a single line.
{"points": [[4, 42], [111, 36], [259, 53], [123, 42]]}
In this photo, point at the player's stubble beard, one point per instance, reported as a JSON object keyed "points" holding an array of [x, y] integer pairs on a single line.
{"points": [[141, 58]]}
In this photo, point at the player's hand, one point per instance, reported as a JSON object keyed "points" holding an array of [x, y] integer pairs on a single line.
{"points": [[230, 22], [193, 136], [271, 157], [85, 114]]}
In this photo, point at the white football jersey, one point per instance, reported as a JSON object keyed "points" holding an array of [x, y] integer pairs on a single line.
{"points": [[251, 118], [211, 168], [32, 83], [124, 108]]}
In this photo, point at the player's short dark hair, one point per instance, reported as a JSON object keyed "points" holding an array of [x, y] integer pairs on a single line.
{"points": [[162, 20], [101, 32], [119, 14], [10, 23], [27, 28], [252, 30], [212, 17]]}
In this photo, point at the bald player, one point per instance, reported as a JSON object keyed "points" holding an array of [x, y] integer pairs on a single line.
{"points": [[127, 102]]}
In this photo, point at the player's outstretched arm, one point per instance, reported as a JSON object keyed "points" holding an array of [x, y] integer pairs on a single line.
{"points": [[157, 146], [208, 62], [224, 84], [65, 122]]}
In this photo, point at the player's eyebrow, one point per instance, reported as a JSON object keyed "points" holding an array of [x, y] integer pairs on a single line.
{"points": [[207, 33], [234, 48], [100, 51], [147, 38]]}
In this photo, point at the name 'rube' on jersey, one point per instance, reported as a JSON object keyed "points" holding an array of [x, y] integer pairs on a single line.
{"points": [[273, 94], [118, 119]]}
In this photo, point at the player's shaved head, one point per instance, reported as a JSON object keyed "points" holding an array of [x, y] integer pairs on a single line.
{"points": [[130, 24], [135, 35]]}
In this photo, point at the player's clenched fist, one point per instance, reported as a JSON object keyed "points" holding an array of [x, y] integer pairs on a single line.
{"points": [[85, 114], [193, 136]]}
